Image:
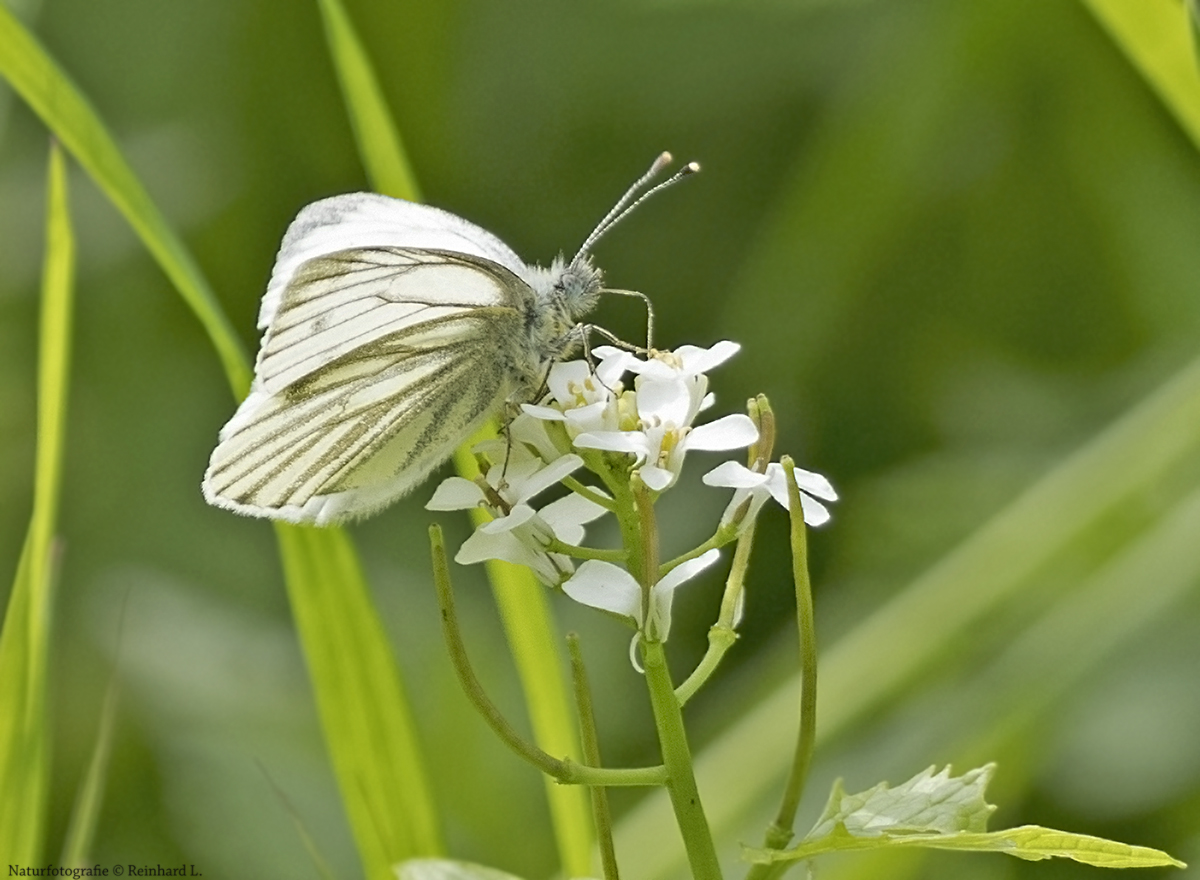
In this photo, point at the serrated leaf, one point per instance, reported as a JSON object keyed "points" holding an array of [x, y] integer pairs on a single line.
{"points": [[929, 802], [1031, 842], [940, 811]]}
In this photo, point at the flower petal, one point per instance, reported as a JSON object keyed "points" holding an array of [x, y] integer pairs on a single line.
{"points": [[816, 484], [667, 401], [567, 516], [701, 360], [733, 475], [687, 570], [815, 513], [613, 441], [550, 474], [562, 376], [655, 477], [728, 432], [519, 515], [546, 413], [481, 546], [455, 493], [607, 587], [664, 592]]}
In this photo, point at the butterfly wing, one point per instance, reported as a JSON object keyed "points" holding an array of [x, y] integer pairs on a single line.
{"points": [[376, 364], [369, 220]]}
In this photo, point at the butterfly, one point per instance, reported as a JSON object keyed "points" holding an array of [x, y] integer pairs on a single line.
{"points": [[391, 332]]}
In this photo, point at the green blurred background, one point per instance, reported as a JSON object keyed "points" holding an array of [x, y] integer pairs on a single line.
{"points": [[955, 241]]}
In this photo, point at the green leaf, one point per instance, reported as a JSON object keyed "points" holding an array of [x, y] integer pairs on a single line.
{"points": [[25, 640], [1030, 842], [51, 95], [943, 812], [1157, 38], [927, 802]]}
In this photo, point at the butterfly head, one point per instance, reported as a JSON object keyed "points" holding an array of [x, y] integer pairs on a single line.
{"points": [[577, 285]]}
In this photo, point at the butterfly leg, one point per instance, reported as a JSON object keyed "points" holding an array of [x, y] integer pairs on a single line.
{"points": [[649, 315]]}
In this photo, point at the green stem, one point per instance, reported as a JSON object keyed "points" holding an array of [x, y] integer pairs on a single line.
{"points": [[564, 770], [677, 756], [724, 535], [780, 831], [722, 635], [578, 552], [591, 753], [587, 492]]}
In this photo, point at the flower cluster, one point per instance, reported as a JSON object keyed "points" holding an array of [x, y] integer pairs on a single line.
{"points": [[590, 421]]}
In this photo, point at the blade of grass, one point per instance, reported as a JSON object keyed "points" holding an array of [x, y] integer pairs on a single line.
{"points": [[364, 712], [318, 565], [1129, 464], [24, 733], [528, 624], [532, 637], [85, 815], [379, 144], [1156, 36], [49, 92]]}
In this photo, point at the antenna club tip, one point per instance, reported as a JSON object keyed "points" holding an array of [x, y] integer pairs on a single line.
{"points": [[664, 158], [691, 167]]}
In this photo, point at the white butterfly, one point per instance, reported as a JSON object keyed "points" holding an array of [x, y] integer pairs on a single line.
{"points": [[392, 331]]}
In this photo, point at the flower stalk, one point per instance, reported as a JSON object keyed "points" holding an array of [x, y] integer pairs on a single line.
{"points": [[632, 442]]}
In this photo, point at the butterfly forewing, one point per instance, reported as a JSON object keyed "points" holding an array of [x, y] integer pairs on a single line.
{"points": [[344, 301], [377, 362]]}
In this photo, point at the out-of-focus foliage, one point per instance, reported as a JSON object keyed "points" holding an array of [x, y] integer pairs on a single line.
{"points": [[956, 240]]}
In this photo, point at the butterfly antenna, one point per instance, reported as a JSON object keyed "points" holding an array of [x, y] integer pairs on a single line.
{"points": [[628, 202]]}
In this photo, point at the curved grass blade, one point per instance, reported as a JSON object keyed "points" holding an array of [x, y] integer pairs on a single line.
{"points": [[81, 830], [24, 730], [1156, 36], [360, 698], [384, 790], [524, 610], [378, 139], [48, 91], [532, 636]]}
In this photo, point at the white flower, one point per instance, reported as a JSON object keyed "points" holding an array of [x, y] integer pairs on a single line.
{"points": [[670, 392], [519, 534], [583, 400], [772, 484], [525, 543], [611, 588]]}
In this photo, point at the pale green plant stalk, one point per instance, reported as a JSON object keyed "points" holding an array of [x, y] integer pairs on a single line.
{"points": [[1156, 37], [528, 625], [24, 643], [373, 745]]}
